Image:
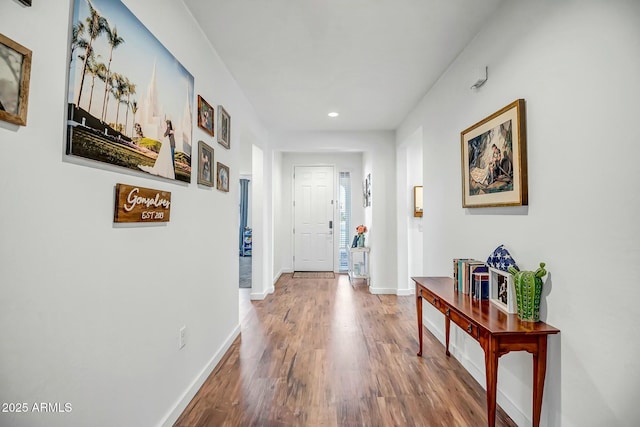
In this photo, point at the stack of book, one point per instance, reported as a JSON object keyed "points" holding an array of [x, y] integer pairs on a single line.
{"points": [[465, 273]]}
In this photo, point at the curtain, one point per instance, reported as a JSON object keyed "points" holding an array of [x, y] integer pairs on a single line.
{"points": [[244, 206]]}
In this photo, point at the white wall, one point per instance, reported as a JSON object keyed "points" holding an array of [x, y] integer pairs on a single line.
{"points": [[576, 64], [280, 233], [343, 162], [259, 284], [90, 312], [409, 233], [378, 158]]}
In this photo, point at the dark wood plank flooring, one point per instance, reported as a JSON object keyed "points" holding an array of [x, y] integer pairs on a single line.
{"points": [[319, 352]]}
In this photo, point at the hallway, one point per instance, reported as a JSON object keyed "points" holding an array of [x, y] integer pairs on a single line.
{"points": [[321, 352]]}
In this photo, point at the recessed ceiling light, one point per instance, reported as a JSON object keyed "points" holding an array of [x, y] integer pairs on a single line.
{"points": [[333, 114]]}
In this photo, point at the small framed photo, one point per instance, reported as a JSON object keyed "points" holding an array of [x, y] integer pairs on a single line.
{"points": [[15, 72], [223, 178], [205, 116], [224, 127], [502, 291], [205, 164]]}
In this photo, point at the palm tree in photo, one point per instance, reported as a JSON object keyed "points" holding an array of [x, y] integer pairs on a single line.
{"points": [[96, 69], [108, 83], [77, 39], [118, 91], [114, 41], [131, 90], [102, 75], [96, 25], [134, 110]]}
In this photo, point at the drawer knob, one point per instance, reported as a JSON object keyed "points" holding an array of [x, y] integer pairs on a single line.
{"points": [[435, 300], [448, 311], [470, 328]]}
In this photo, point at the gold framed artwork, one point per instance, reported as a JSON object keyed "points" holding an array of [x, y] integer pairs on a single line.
{"points": [[222, 182], [205, 116], [205, 164], [224, 127], [494, 159], [15, 73], [418, 206]]}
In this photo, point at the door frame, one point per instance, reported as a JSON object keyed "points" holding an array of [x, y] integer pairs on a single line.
{"points": [[334, 195]]}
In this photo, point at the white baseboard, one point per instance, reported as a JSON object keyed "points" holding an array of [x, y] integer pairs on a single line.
{"points": [[191, 391], [382, 291], [391, 291], [479, 375], [258, 296], [280, 273], [275, 280]]}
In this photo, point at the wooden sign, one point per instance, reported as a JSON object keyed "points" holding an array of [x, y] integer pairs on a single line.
{"points": [[139, 204]]}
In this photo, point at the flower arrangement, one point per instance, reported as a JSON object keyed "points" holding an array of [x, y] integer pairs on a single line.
{"points": [[358, 239]]}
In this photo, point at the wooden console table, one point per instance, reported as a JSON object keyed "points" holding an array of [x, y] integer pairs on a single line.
{"points": [[497, 332]]}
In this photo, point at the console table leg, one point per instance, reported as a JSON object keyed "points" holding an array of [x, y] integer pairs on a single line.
{"points": [[491, 366], [447, 328], [539, 370], [419, 313]]}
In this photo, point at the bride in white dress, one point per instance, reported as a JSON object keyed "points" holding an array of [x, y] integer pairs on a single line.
{"points": [[164, 165]]}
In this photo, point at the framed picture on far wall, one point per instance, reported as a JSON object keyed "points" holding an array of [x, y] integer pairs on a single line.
{"points": [[205, 116], [223, 178], [205, 164], [224, 127], [366, 191], [494, 159], [15, 72]]}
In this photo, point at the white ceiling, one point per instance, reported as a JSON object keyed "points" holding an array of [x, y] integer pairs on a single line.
{"points": [[370, 60]]}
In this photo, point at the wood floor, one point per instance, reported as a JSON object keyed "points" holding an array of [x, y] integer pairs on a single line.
{"points": [[319, 352]]}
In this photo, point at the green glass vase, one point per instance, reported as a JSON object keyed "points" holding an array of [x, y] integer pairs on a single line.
{"points": [[528, 286]]}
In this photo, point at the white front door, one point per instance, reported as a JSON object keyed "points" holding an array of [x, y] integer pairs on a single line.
{"points": [[313, 218]]}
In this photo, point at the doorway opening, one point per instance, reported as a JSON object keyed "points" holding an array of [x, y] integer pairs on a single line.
{"points": [[245, 235]]}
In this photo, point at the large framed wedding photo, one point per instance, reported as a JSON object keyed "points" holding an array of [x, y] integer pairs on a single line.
{"points": [[494, 159], [15, 72], [130, 101]]}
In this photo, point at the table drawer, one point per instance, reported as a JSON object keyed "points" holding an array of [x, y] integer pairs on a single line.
{"points": [[430, 298], [467, 325]]}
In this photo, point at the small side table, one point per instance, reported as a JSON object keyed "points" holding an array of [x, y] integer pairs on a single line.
{"points": [[359, 264]]}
